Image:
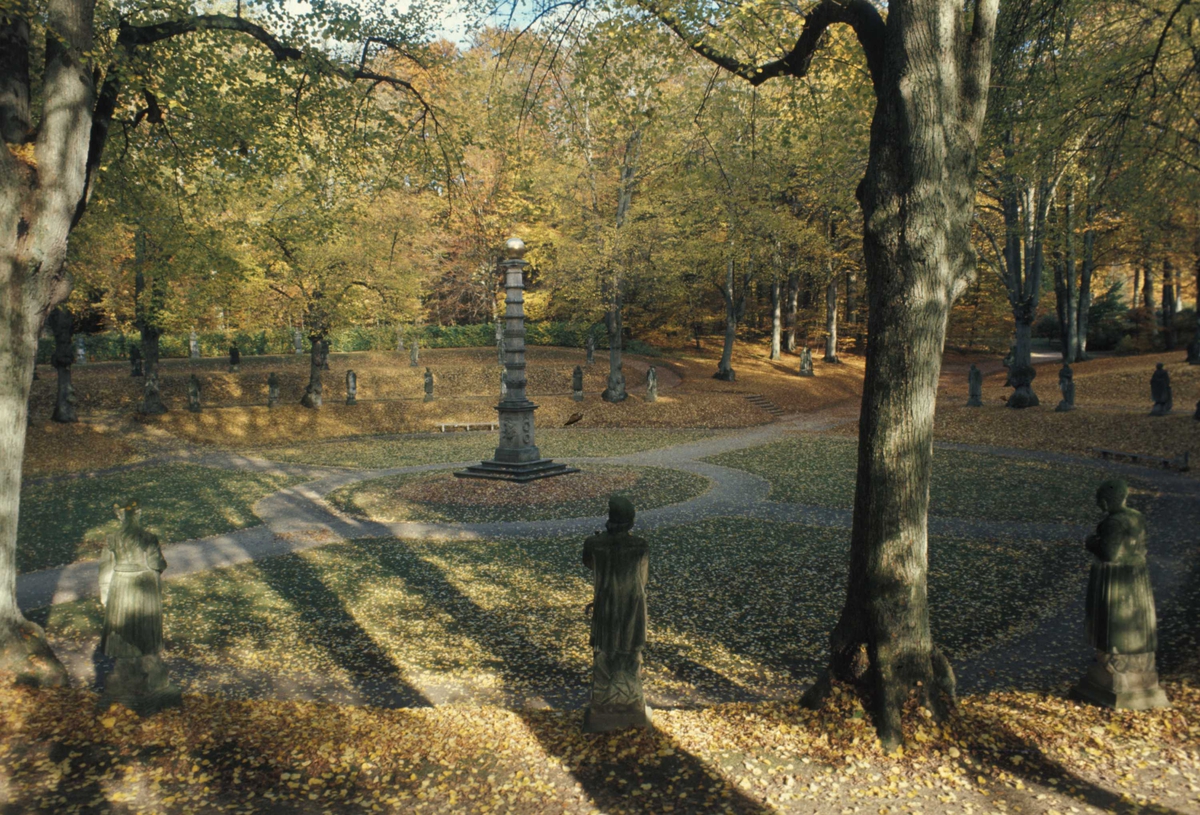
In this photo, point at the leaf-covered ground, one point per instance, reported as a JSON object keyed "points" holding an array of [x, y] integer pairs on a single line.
{"points": [[819, 470], [389, 621], [371, 454], [52, 448], [66, 520], [442, 497], [1000, 753]]}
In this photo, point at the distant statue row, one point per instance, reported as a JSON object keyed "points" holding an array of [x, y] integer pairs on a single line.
{"points": [[1160, 390], [577, 384], [152, 401]]}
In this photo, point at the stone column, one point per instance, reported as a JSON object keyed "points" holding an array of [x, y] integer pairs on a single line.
{"points": [[517, 458]]}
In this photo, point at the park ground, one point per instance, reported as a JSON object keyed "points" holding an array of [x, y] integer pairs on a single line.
{"points": [[357, 631]]}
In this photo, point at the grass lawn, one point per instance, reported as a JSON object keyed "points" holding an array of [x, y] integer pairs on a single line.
{"points": [[738, 609], [441, 497], [819, 470], [371, 454], [65, 521]]}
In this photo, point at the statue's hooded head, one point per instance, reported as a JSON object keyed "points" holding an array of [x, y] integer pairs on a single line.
{"points": [[620, 515], [1111, 494]]}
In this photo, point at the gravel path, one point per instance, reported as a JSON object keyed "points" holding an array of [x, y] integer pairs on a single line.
{"points": [[298, 518]]}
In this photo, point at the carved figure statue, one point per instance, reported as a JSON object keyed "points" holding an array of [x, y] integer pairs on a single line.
{"points": [[193, 394], [414, 352], [1121, 623], [503, 384], [1160, 389], [80, 351], [193, 345], [324, 355], [500, 345], [1066, 384], [1007, 362], [351, 388], [135, 359], [428, 382], [235, 359], [272, 390], [152, 403], [620, 567], [806, 367], [577, 384], [131, 593], [590, 346], [974, 387], [651, 385], [297, 341]]}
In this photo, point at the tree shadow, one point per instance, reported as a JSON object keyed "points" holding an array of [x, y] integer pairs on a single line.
{"points": [[634, 757]]}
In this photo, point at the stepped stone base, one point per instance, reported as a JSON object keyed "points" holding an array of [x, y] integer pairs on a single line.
{"points": [[599, 722], [516, 471], [1122, 681]]}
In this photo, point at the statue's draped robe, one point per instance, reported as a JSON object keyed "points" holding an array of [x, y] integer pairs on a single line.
{"points": [[1120, 602], [130, 585], [620, 565]]}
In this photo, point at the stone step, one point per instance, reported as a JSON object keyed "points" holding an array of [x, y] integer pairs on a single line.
{"points": [[764, 403]]}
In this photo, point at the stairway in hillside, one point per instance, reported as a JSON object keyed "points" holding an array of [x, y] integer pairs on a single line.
{"points": [[764, 403]]}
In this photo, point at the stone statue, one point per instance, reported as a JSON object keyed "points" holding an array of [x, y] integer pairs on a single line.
{"points": [[193, 345], [297, 341], [1007, 362], [651, 385], [974, 387], [152, 403], [1066, 384], [414, 352], [577, 384], [351, 388], [428, 382], [1193, 349], [235, 359], [272, 390], [193, 393], [1121, 623], [1160, 389], [590, 346], [503, 384], [80, 351], [399, 339], [131, 593], [500, 345], [135, 359], [61, 324], [806, 368], [325, 355], [620, 567]]}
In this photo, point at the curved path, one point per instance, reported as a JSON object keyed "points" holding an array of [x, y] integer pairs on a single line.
{"points": [[298, 518]]}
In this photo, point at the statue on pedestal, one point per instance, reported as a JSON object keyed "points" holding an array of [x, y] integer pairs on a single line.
{"points": [[806, 368], [414, 352], [590, 346], [272, 390], [974, 387], [235, 359], [135, 359], [651, 385], [620, 567], [1160, 389], [428, 381], [1121, 623], [351, 388], [131, 593], [577, 384], [1066, 384], [193, 394], [152, 403]]}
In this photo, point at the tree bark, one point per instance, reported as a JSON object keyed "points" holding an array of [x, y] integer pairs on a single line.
{"points": [[776, 317], [316, 364], [1148, 292], [831, 320], [1193, 356], [1168, 303], [614, 390], [735, 307], [1071, 336], [793, 309], [1085, 280]]}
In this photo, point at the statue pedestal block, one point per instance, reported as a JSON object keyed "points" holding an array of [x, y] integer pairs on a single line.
{"points": [[141, 685], [1123, 682], [602, 722]]}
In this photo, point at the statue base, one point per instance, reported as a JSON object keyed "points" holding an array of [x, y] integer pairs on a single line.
{"points": [[233, 369], [141, 685], [1123, 682], [577, 396], [1160, 409], [603, 721], [974, 403], [516, 471], [429, 397], [1064, 407]]}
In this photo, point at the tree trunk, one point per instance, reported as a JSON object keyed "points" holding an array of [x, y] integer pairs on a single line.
{"points": [[1071, 335], [1168, 303], [831, 321], [1148, 292], [917, 200], [316, 364], [1085, 281], [793, 309], [1193, 356], [614, 391], [776, 317], [725, 366]]}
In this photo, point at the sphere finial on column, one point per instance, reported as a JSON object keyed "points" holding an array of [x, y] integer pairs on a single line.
{"points": [[514, 248]]}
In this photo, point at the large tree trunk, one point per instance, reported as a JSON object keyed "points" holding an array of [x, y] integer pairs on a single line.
{"points": [[1070, 340], [1193, 356], [1168, 303], [793, 308], [918, 203], [614, 390], [831, 320], [316, 364], [776, 317], [1085, 281], [1148, 292]]}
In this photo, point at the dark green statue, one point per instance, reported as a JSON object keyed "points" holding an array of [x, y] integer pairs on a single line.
{"points": [[620, 565], [131, 593], [1121, 623]]}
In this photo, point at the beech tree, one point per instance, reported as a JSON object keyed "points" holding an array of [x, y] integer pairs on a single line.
{"points": [[929, 63], [55, 127]]}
